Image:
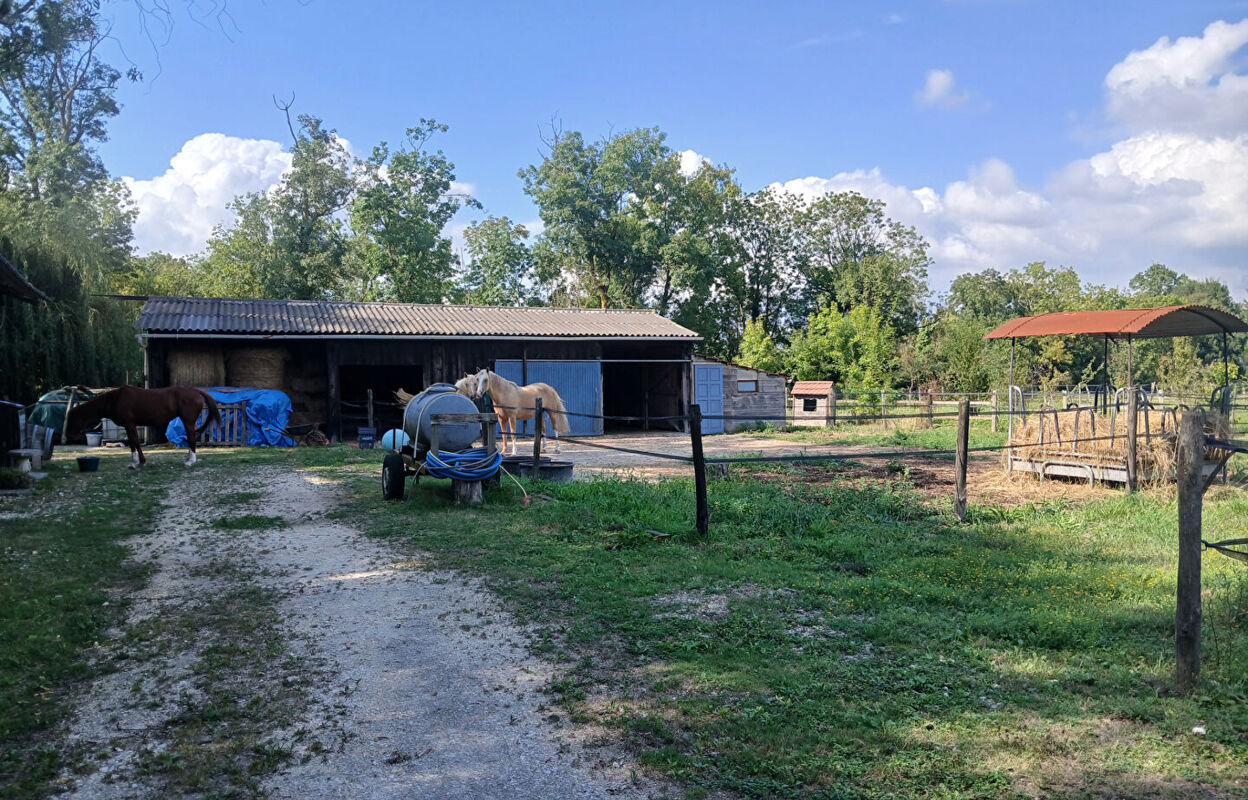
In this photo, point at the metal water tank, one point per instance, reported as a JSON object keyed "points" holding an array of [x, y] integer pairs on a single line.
{"points": [[441, 398]]}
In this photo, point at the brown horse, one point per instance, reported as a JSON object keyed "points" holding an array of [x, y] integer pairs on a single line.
{"points": [[131, 407]]}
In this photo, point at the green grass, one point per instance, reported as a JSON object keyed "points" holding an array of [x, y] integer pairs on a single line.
{"points": [[941, 436], [826, 641], [840, 642], [249, 522], [63, 581]]}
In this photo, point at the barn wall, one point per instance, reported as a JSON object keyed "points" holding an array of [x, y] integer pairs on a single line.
{"points": [[311, 369], [751, 408]]}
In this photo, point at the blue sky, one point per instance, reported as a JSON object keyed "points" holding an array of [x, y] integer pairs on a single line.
{"points": [[1006, 132]]}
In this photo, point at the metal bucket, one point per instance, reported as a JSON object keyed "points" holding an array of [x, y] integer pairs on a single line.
{"points": [[441, 398]]}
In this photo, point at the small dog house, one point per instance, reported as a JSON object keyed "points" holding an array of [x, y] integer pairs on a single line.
{"points": [[814, 403]]}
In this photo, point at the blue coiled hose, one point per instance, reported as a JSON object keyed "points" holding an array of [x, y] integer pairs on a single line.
{"points": [[470, 465]]}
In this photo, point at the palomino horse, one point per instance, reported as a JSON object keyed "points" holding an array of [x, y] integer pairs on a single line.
{"points": [[513, 402], [131, 407]]}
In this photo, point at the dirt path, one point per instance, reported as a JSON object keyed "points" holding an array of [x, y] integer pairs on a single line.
{"points": [[300, 643]]}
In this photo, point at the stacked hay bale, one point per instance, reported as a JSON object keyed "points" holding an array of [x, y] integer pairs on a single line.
{"points": [[196, 366], [257, 367], [305, 376]]}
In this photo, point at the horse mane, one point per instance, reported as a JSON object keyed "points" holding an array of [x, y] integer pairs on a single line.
{"points": [[100, 405], [492, 375]]}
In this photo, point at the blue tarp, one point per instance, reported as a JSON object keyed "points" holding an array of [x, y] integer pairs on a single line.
{"points": [[268, 411]]}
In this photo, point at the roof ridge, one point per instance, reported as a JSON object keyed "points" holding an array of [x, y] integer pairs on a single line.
{"points": [[270, 300]]}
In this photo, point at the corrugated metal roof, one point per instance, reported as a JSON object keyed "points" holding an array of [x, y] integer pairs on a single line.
{"points": [[1140, 323], [14, 283], [815, 388], [210, 315]]}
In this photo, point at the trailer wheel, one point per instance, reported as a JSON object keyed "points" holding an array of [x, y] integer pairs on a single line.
{"points": [[392, 477]]}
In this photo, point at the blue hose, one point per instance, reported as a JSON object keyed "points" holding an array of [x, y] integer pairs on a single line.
{"points": [[470, 465]]}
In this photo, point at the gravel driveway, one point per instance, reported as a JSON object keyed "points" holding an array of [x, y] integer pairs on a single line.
{"points": [[415, 682]]}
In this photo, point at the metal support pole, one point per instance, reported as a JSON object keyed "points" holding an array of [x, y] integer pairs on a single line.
{"points": [[1009, 405], [1191, 457], [995, 414], [1133, 403]]}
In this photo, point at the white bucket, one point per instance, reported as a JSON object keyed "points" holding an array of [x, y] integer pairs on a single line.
{"points": [[94, 439]]}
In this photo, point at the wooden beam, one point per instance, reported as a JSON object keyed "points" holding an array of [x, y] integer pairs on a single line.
{"points": [[703, 514], [1191, 456], [959, 463]]}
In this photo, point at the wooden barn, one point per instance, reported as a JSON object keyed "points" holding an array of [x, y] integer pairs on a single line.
{"points": [[814, 403], [744, 396], [328, 356]]}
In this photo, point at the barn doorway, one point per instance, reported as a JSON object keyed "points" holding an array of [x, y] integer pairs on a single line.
{"points": [[648, 393], [383, 379]]}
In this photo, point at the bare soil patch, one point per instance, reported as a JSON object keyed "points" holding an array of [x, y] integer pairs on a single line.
{"points": [[988, 482]]}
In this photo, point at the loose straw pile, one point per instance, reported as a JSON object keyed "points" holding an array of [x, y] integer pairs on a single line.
{"points": [[1091, 443]]}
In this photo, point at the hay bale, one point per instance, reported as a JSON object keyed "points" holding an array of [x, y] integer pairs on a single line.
{"points": [[196, 366], [259, 367]]}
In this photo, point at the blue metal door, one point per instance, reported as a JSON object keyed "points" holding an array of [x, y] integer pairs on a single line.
{"points": [[579, 384], [708, 393]]}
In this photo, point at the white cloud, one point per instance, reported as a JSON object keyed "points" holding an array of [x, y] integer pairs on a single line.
{"points": [[177, 210], [691, 161], [1175, 190], [894, 19], [940, 91], [1185, 85]]}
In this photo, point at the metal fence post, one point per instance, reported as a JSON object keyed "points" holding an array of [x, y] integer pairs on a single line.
{"points": [[1191, 457], [703, 519], [1133, 477], [995, 413]]}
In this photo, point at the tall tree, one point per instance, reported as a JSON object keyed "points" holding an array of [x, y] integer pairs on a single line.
{"points": [[500, 268], [764, 279], [589, 196], [860, 256], [289, 243], [400, 215]]}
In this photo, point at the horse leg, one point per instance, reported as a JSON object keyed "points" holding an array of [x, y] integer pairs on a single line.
{"points": [[189, 424], [137, 459], [511, 423], [554, 431]]}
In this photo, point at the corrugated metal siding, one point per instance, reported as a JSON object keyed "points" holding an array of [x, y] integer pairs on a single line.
{"points": [[191, 315], [708, 393], [579, 384]]}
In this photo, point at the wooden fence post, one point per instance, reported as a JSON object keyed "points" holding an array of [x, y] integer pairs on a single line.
{"points": [[995, 413], [370, 410], [884, 407], [959, 462], [926, 420], [832, 406], [537, 437], [1133, 477], [703, 519], [1191, 458]]}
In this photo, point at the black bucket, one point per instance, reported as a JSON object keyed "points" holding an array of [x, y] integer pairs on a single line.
{"points": [[557, 471], [88, 464]]}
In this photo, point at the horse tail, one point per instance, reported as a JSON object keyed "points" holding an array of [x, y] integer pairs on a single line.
{"points": [[214, 413], [558, 417]]}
